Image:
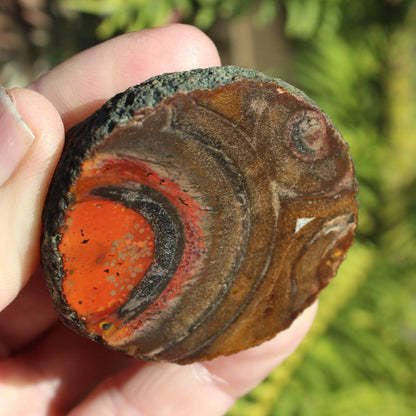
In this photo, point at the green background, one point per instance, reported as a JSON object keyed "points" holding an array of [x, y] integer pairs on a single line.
{"points": [[357, 59]]}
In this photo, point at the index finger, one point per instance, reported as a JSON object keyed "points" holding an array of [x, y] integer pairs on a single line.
{"points": [[84, 82]]}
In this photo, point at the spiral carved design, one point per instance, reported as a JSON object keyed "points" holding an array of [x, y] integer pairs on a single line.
{"points": [[197, 214]]}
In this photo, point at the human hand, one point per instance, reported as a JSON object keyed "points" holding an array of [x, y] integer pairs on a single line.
{"points": [[46, 369]]}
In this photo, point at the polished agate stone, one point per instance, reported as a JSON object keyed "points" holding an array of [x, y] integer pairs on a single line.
{"points": [[197, 214]]}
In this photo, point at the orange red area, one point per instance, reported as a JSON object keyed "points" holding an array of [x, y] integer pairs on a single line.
{"points": [[112, 222], [107, 250]]}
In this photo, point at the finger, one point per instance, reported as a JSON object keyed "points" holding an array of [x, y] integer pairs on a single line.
{"points": [[31, 137], [81, 84], [54, 373], [30, 314], [202, 388]]}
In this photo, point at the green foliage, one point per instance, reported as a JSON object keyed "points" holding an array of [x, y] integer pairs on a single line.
{"points": [[130, 15]]}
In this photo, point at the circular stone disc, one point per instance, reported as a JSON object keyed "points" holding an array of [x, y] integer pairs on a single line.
{"points": [[197, 214]]}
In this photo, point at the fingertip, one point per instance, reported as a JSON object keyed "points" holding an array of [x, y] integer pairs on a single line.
{"points": [[37, 111], [195, 48], [16, 137], [46, 124], [23, 193]]}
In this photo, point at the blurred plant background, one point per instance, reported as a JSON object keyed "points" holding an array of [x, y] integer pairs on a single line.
{"points": [[357, 59]]}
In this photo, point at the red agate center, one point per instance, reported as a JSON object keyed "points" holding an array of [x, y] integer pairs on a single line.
{"points": [[107, 249]]}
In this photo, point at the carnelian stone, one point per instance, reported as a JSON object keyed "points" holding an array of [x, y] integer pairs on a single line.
{"points": [[107, 249]]}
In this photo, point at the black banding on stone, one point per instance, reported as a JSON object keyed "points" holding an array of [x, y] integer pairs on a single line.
{"points": [[169, 242]]}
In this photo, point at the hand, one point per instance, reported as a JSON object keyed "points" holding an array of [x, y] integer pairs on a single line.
{"points": [[46, 369]]}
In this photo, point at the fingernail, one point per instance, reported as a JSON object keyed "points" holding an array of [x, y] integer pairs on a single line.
{"points": [[15, 137]]}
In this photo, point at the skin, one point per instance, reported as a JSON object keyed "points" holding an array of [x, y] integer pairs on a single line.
{"points": [[46, 369]]}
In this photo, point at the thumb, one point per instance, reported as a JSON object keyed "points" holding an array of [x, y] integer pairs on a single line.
{"points": [[31, 138]]}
